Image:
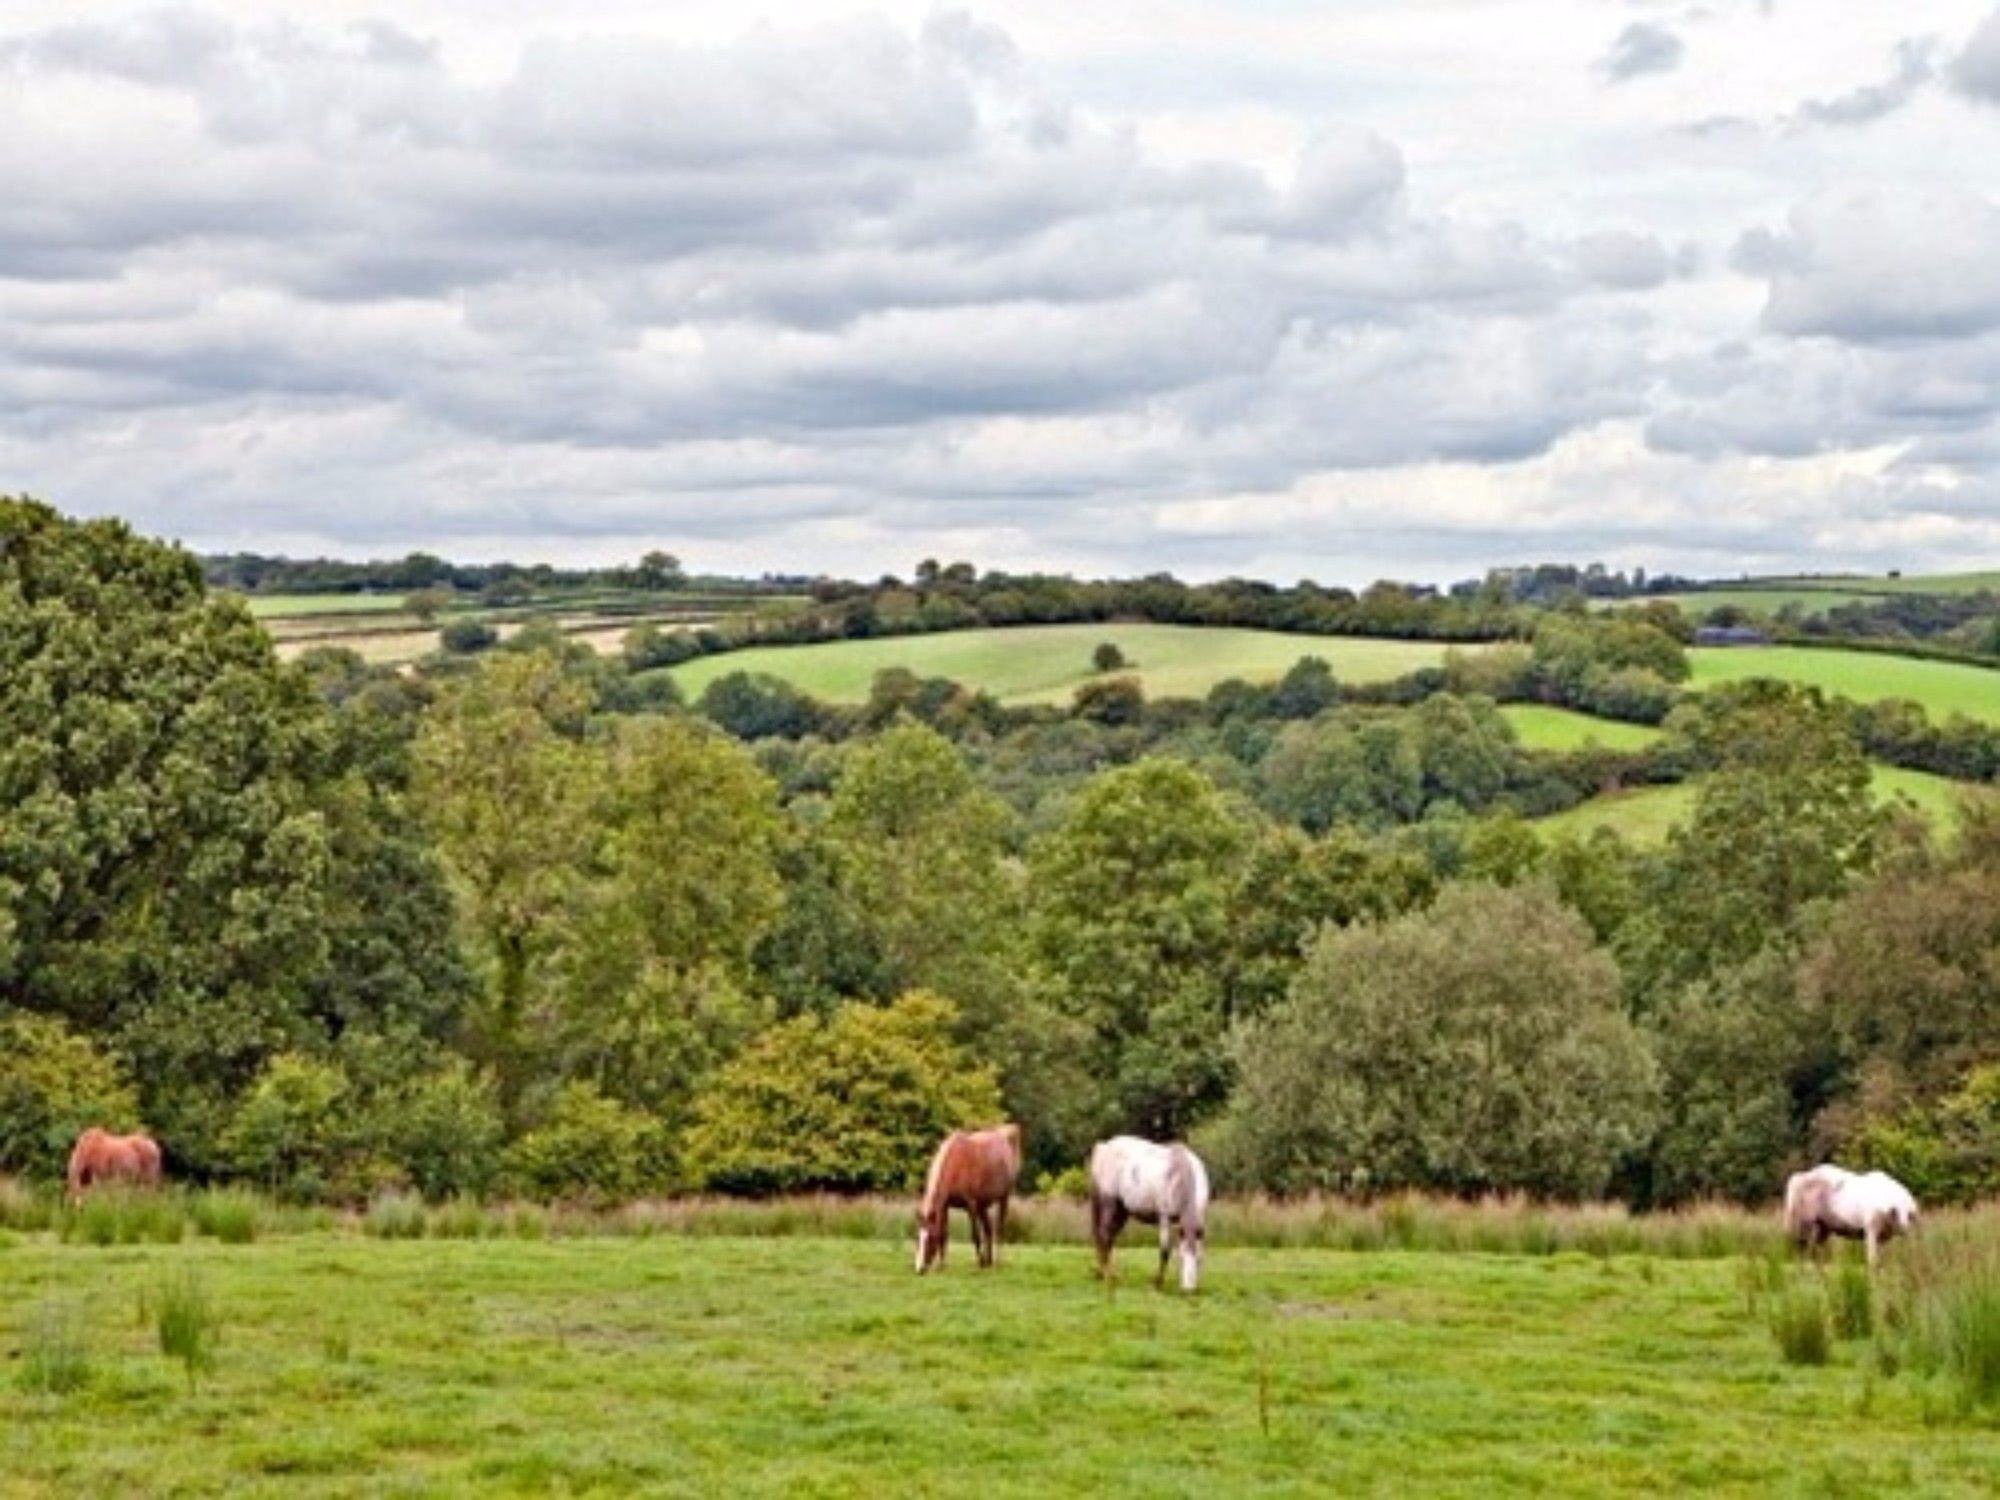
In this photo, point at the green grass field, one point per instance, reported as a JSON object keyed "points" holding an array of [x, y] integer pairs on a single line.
{"points": [[1046, 663], [1541, 727], [1943, 688], [1764, 601], [1645, 815], [680, 1365], [297, 606]]}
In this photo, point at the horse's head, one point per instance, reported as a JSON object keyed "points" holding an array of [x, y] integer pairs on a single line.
{"points": [[1194, 1238], [930, 1240]]}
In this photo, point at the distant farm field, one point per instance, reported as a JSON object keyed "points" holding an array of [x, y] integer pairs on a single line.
{"points": [[1541, 727], [1646, 814], [1047, 663], [292, 606], [798, 1366], [1943, 688]]}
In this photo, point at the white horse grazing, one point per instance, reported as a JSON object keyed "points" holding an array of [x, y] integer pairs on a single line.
{"points": [[1163, 1185], [1829, 1200]]}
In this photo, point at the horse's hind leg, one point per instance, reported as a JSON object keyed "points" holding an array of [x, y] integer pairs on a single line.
{"points": [[1166, 1251], [999, 1227], [982, 1232]]}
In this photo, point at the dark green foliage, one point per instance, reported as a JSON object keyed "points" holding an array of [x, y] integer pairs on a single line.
{"points": [[1475, 1046], [1131, 906], [855, 1102], [163, 860], [467, 637], [445, 1130], [1108, 658], [754, 707]]}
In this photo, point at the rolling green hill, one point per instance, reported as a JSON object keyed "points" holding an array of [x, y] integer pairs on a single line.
{"points": [[1047, 663], [1943, 688], [1540, 727], [1645, 815]]}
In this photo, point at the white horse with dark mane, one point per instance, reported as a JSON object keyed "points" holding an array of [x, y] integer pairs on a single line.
{"points": [[1163, 1185], [1869, 1206]]}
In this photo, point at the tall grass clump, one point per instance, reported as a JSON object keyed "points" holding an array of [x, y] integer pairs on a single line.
{"points": [[396, 1216], [55, 1360], [125, 1218], [1798, 1321], [23, 1207], [226, 1214], [1851, 1300], [1941, 1310], [188, 1325]]}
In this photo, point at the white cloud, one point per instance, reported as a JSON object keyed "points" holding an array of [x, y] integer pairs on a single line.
{"points": [[1041, 282]]}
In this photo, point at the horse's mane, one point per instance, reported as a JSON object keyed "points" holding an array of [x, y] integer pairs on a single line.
{"points": [[928, 1207]]}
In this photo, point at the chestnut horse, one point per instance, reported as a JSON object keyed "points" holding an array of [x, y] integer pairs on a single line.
{"points": [[100, 1156], [973, 1170]]}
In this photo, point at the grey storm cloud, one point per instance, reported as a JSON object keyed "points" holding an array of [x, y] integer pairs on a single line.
{"points": [[822, 287], [1640, 49]]}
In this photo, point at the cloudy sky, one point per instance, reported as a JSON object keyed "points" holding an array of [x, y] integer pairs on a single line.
{"points": [[1288, 288]]}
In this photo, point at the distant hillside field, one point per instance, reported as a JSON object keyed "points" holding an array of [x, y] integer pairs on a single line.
{"points": [[1943, 688], [1047, 663], [1644, 816], [1540, 727]]}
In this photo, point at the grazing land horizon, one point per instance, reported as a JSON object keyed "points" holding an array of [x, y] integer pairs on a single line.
{"points": [[692, 1365]]}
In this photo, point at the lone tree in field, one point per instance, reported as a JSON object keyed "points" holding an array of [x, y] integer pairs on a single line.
{"points": [[1475, 1046], [1108, 658]]}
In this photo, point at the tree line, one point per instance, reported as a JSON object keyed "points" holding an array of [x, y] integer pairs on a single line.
{"points": [[520, 924]]}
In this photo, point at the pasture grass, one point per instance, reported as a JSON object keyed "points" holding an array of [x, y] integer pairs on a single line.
{"points": [[1047, 663], [1645, 815], [1942, 688], [678, 1363], [1539, 726], [1940, 1314]]}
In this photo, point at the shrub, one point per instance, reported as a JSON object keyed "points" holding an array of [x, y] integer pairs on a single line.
{"points": [[445, 1131], [1475, 1046], [856, 1101], [587, 1146], [1947, 1153], [1108, 658], [54, 1083], [465, 637], [292, 1131]]}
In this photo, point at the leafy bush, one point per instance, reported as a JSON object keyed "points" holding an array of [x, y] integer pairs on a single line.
{"points": [[292, 1131], [856, 1101], [1947, 1153], [464, 637], [588, 1146], [445, 1132], [1475, 1046], [54, 1083]]}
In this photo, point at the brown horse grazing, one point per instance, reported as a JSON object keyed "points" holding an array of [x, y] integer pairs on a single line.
{"points": [[973, 1170], [100, 1156]]}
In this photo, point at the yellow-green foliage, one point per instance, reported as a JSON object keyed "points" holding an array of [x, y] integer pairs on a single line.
{"points": [[54, 1083], [856, 1101]]}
